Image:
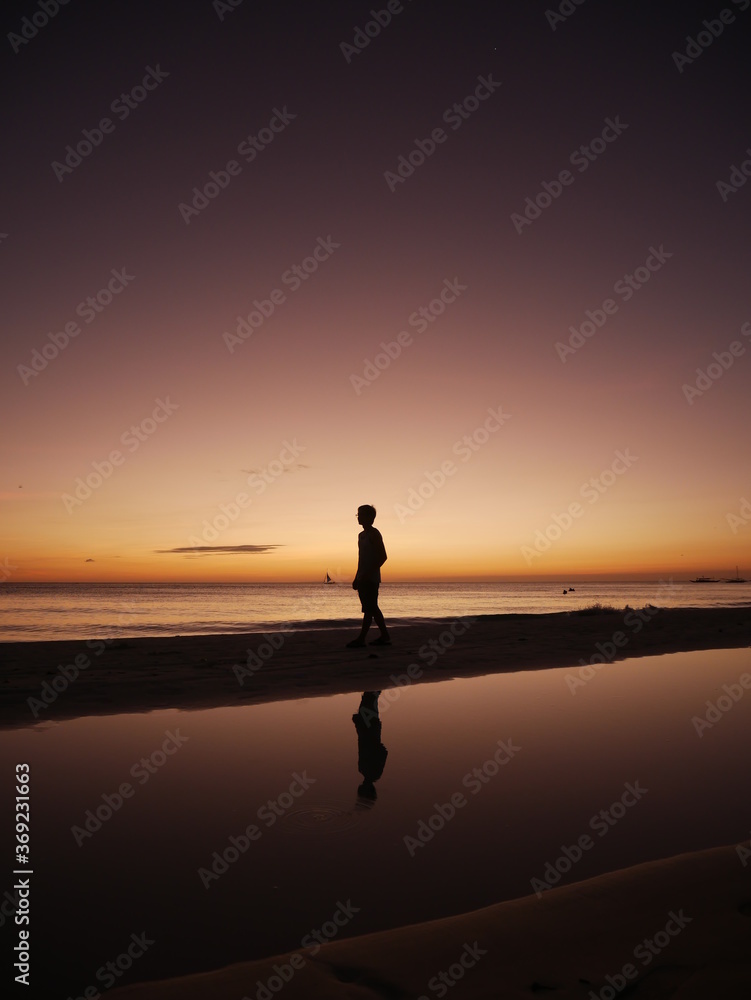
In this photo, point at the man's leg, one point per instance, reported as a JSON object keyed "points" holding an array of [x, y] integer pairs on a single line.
{"points": [[367, 619], [380, 622]]}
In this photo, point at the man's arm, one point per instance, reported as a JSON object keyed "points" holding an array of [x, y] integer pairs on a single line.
{"points": [[379, 547], [357, 571]]}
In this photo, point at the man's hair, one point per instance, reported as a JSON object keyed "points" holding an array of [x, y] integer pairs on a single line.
{"points": [[368, 510]]}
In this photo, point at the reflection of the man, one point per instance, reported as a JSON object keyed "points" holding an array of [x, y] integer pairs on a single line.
{"points": [[371, 753]]}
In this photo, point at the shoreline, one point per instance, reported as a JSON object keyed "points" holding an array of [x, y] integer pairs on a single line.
{"points": [[55, 680], [352, 623]]}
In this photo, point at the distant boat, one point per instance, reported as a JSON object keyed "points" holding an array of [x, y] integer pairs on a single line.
{"points": [[328, 578], [705, 579], [736, 578]]}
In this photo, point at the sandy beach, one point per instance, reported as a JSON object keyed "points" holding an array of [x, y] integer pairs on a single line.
{"points": [[45, 681], [678, 928]]}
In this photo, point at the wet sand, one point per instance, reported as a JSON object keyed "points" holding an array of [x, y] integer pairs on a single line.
{"points": [[678, 928], [44, 681]]}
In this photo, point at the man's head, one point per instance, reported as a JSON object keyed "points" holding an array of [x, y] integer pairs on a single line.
{"points": [[366, 514]]}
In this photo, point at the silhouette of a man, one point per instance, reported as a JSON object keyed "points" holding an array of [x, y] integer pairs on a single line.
{"points": [[371, 556]]}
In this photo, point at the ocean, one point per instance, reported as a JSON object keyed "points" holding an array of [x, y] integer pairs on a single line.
{"points": [[36, 611]]}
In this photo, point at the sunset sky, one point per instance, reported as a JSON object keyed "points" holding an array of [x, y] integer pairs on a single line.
{"points": [[496, 445]]}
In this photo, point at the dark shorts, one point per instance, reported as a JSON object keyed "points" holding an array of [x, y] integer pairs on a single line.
{"points": [[368, 597]]}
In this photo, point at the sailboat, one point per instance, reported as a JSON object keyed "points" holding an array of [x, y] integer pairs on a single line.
{"points": [[328, 578], [736, 578]]}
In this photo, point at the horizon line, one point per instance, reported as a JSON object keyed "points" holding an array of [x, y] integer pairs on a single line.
{"points": [[582, 578]]}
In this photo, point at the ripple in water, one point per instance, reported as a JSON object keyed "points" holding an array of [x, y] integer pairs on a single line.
{"points": [[325, 819]]}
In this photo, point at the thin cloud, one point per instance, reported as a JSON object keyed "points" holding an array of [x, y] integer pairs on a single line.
{"points": [[208, 550], [288, 468]]}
